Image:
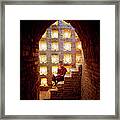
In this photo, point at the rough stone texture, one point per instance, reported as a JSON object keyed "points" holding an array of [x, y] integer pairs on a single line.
{"points": [[89, 33], [72, 88], [90, 83]]}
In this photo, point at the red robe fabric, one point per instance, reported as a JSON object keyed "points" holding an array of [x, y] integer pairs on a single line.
{"points": [[62, 71], [60, 75]]}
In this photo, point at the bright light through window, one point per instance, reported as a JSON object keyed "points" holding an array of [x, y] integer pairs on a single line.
{"points": [[54, 46], [57, 44], [43, 59], [68, 69], [43, 70], [67, 46], [55, 59], [54, 34], [44, 82], [54, 69], [67, 58], [42, 46], [66, 34]]}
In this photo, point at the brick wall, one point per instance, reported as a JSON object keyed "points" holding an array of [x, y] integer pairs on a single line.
{"points": [[90, 82], [29, 66], [30, 34], [72, 88], [89, 33]]}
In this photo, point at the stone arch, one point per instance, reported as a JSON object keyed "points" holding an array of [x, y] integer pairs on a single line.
{"points": [[47, 39]]}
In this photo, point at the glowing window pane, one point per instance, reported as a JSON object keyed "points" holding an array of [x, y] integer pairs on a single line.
{"points": [[55, 59], [54, 34], [54, 46], [43, 59], [42, 46], [43, 70], [66, 34], [67, 46], [78, 46], [44, 82], [68, 69], [67, 58], [54, 69]]}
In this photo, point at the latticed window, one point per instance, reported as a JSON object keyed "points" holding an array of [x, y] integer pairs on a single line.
{"points": [[54, 69], [43, 58], [67, 46], [66, 33], [55, 59], [54, 46], [42, 45], [43, 70], [59, 42], [54, 33], [67, 58]]}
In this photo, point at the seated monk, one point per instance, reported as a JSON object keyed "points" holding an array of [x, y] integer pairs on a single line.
{"points": [[60, 73]]}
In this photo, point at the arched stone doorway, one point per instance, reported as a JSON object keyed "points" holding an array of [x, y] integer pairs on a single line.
{"points": [[60, 42], [89, 33]]}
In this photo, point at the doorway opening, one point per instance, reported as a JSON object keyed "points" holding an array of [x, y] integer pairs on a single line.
{"points": [[60, 42]]}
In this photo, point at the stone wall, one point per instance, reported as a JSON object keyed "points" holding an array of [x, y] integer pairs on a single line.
{"points": [[90, 83], [72, 88], [30, 34], [89, 34], [29, 66]]}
